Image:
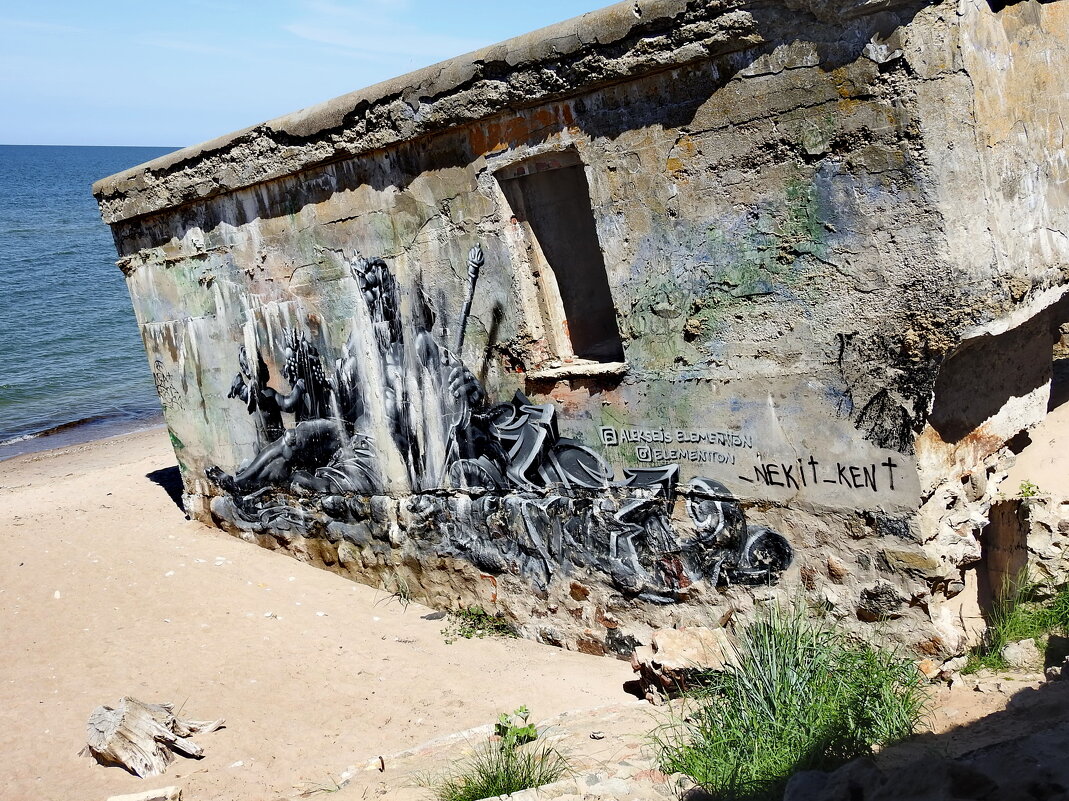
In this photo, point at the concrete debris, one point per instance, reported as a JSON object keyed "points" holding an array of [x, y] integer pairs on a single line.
{"points": [[676, 657], [1027, 767], [1023, 654]]}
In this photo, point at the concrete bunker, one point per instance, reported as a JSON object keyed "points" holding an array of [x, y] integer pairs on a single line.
{"points": [[752, 221]]}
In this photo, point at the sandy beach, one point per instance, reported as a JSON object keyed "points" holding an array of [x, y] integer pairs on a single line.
{"points": [[106, 590]]}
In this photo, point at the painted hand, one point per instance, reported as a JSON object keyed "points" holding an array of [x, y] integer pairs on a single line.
{"points": [[236, 386], [464, 385]]}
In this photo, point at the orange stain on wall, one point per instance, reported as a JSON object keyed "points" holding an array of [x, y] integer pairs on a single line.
{"points": [[503, 133]]}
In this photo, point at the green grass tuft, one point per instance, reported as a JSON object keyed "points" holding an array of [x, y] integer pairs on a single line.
{"points": [[1015, 616], [508, 763], [1028, 490], [497, 769], [802, 697]]}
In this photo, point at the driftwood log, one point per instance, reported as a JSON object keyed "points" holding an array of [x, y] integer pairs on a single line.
{"points": [[140, 737]]}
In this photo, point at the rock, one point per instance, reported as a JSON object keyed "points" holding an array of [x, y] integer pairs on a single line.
{"points": [[929, 669], [881, 602], [953, 588], [348, 554], [930, 779], [675, 657], [578, 591], [1022, 654], [611, 788], [912, 561], [697, 794], [1057, 672], [1031, 766], [163, 794], [950, 669], [969, 682], [805, 785], [532, 794], [651, 775], [837, 569]]}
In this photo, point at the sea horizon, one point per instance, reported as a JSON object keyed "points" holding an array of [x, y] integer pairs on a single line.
{"points": [[72, 365], [168, 148]]}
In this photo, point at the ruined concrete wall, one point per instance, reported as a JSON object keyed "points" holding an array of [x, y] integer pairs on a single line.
{"points": [[779, 249], [991, 113]]}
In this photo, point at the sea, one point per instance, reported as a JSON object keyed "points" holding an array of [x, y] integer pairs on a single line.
{"points": [[72, 366]]}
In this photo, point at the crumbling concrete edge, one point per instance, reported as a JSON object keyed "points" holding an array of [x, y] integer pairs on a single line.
{"points": [[615, 43]]}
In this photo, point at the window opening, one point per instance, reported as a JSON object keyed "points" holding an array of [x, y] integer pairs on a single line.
{"points": [[551, 198]]}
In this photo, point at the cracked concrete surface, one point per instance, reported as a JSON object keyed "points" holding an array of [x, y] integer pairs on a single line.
{"points": [[811, 216]]}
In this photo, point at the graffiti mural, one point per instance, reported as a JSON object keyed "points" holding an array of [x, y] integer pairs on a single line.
{"points": [[492, 483]]}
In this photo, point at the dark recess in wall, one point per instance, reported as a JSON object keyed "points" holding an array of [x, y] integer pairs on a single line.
{"points": [[555, 203], [984, 373], [998, 5]]}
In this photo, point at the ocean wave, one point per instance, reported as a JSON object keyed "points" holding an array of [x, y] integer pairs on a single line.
{"points": [[23, 438], [56, 429], [78, 431]]}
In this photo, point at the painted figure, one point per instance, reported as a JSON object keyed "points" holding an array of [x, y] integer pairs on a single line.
{"points": [[542, 504]]}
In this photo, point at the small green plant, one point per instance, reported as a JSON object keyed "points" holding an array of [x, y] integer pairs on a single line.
{"points": [[507, 764], [332, 785], [474, 621], [1017, 615], [398, 588], [800, 697], [1028, 490], [514, 730]]}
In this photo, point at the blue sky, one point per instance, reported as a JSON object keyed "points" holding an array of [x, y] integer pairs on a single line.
{"points": [[120, 72]]}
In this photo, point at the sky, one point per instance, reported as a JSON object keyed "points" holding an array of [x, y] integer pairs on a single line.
{"points": [[178, 72]]}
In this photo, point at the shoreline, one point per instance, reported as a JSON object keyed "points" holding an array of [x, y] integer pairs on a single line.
{"points": [[78, 432]]}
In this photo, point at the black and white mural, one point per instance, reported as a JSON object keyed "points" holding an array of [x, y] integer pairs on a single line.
{"points": [[394, 411]]}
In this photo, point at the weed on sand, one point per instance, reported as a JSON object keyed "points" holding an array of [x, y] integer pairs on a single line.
{"points": [[1019, 614], [801, 697], [474, 621], [510, 762]]}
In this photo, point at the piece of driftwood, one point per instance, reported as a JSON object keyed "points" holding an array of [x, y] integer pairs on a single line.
{"points": [[140, 737]]}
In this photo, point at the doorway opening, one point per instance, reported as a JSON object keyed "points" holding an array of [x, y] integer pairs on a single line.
{"points": [[549, 196]]}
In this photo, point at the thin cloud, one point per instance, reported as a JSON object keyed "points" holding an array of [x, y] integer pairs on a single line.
{"points": [[188, 47], [381, 28], [33, 25], [391, 43], [358, 10]]}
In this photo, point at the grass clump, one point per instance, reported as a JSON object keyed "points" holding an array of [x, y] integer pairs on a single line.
{"points": [[1017, 615], [398, 588], [801, 697], [474, 621], [332, 785], [510, 762]]}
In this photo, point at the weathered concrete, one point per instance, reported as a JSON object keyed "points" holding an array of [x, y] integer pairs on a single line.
{"points": [[834, 238]]}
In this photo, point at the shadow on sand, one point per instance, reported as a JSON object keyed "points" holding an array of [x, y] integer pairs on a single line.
{"points": [[170, 479]]}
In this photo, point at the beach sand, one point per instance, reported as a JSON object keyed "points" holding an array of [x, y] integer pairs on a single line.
{"points": [[107, 590]]}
